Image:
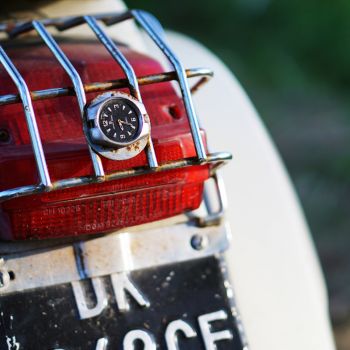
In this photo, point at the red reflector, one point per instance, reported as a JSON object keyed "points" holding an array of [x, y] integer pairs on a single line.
{"points": [[104, 207], [101, 207]]}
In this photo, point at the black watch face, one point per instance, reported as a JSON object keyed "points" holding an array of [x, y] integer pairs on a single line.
{"points": [[119, 120]]}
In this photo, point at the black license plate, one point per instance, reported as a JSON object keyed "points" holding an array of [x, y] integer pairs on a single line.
{"points": [[187, 305]]}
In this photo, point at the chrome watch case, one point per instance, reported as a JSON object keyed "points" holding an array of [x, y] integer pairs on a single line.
{"points": [[108, 147]]}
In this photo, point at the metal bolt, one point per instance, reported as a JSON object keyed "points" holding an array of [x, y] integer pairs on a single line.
{"points": [[198, 242], [4, 279], [4, 275]]}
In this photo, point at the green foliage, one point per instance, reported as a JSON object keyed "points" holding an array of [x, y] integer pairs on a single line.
{"points": [[275, 43]]}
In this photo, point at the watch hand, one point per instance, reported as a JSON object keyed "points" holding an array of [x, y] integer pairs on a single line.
{"points": [[111, 122], [121, 121], [120, 124]]}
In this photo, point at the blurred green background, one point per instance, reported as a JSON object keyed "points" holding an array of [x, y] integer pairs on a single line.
{"points": [[292, 58]]}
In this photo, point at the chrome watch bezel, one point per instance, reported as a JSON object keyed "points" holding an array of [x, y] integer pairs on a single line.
{"points": [[94, 113], [107, 147]]}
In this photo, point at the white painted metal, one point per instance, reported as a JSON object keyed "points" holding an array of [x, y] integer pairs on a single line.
{"points": [[87, 7], [274, 268], [134, 249]]}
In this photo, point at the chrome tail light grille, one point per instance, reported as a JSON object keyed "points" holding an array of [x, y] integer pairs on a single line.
{"points": [[145, 21]]}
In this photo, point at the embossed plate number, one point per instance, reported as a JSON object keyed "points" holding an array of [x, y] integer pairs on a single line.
{"points": [[178, 306]]}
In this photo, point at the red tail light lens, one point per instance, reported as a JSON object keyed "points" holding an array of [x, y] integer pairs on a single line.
{"points": [[91, 208], [103, 207]]}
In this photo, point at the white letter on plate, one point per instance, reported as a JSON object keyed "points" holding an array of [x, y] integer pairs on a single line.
{"points": [[209, 337], [138, 334], [173, 328], [102, 344], [101, 298], [12, 343], [121, 282]]}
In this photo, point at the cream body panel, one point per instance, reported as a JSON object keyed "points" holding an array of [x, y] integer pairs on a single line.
{"points": [[273, 265], [274, 268]]}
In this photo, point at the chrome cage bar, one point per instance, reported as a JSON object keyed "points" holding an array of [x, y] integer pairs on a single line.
{"points": [[128, 71], [79, 89], [204, 74], [30, 118], [77, 83]]}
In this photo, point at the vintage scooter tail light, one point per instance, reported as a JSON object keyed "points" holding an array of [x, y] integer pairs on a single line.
{"points": [[94, 173]]}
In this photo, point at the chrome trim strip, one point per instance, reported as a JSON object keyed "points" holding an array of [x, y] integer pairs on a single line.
{"points": [[30, 118]]}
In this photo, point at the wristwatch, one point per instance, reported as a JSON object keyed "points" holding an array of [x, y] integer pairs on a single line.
{"points": [[115, 123]]}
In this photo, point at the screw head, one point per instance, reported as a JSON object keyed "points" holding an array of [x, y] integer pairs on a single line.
{"points": [[4, 279], [4, 275], [199, 242]]}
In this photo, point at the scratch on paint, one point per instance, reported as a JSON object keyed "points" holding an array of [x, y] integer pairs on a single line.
{"points": [[11, 321]]}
